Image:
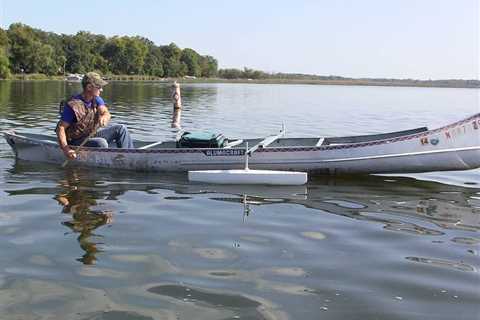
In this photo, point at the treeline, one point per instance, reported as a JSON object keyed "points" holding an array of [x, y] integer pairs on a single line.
{"points": [[247, 73], [24, 49], [250, 74]]}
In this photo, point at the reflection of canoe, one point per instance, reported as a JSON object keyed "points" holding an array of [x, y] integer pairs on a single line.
{"points": [[372, 198], [453, 147]]}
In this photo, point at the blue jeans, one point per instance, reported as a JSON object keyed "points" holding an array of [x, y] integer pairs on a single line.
{"points": [[117, 133]]}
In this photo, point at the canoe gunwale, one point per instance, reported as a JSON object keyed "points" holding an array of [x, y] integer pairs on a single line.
{"points": [[267, 149], [338, 160]]}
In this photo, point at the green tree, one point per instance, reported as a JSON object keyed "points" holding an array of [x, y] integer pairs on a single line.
{"points": [[135, 54], [3, 38], [32, 50], [191, 60], [172, 66], [126, 55], [208, 66], [22, 47], [114, 53], [230, 73], [154, 61], [99, 62], [29, 51], [4, 64], [61, 62], [79, 52], [55, 41], [44, 60]]}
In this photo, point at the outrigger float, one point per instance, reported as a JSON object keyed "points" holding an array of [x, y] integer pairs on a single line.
{"points": [[452, 147]]}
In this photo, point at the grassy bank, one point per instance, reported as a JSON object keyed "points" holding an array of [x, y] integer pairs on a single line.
{"points": [[34, 76], [344, 82]]}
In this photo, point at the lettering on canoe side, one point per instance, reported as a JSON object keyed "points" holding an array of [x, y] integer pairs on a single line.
{"points": [[119, 160], [461, 130], [224, 152], [424, 140], [433, 141]]}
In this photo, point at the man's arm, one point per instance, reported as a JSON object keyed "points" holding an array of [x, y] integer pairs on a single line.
{"points": [[62, 140], [104, 115]]}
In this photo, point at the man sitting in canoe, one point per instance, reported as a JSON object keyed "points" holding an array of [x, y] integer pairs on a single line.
{"points": [[83, 114]]}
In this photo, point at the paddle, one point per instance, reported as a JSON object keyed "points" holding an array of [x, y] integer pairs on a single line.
{"points": [[94, 131]]}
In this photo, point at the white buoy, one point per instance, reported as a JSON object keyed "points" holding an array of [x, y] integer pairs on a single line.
{"points": [[248, 176]]}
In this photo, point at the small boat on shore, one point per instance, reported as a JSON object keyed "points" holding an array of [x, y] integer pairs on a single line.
{"points": [[452, 147], [74, 77]]}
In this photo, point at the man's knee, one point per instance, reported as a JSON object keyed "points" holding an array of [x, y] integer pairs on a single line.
{"points": [[97, 143], [122, 128]]}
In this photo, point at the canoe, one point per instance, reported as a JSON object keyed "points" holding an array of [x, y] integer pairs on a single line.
{"points": [[451, 147]]}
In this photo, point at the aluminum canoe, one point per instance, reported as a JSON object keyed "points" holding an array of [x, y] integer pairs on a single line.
{"points": [[452, 147]]}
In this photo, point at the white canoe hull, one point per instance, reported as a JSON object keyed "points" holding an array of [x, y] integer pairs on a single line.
{"points": [[453, 147]]}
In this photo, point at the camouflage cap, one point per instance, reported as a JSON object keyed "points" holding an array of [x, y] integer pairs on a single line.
{"points": [[93, 78]]}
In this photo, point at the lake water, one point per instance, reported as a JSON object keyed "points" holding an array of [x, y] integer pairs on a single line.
{"points": [[83, 244]]}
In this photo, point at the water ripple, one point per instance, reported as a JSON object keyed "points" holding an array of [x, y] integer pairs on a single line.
{"points": [[461, 266]]}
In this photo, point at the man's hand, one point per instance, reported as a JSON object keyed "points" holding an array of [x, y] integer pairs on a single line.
{"points": [[104, 116], [69, 153], [103, 120]]}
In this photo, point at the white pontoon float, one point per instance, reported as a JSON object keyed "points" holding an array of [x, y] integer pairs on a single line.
{"points": [[249, 176]]}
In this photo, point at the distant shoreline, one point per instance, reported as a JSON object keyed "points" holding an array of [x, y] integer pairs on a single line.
{"points": [[467, 84]]}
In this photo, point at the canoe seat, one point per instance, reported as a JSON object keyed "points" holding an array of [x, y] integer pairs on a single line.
{"points": [[233, 144], [319, 142], [50, 142]]}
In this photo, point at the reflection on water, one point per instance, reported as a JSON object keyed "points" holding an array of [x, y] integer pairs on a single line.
{"points": [[443, 263], [243, 307], [402, 205], [77, 201], [115, 315]]}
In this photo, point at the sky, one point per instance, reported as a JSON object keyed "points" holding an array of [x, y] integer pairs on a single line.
{"points": [[418, 39]]}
